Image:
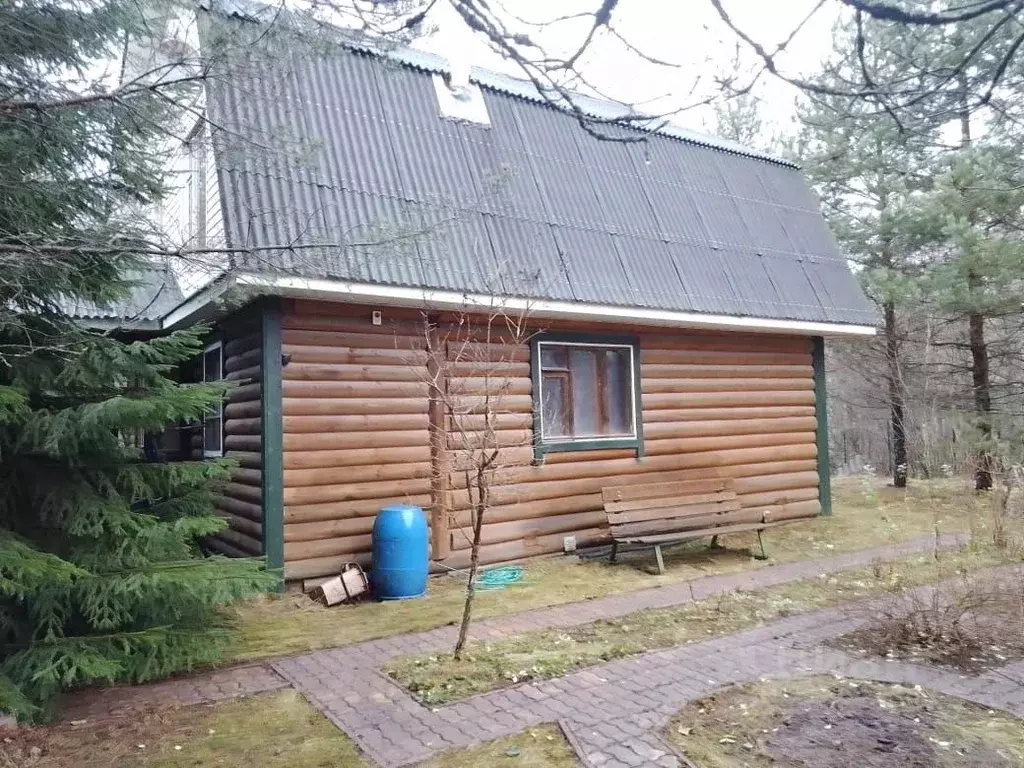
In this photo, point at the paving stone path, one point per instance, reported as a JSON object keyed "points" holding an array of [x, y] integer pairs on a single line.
{"points": [[612, 713]]}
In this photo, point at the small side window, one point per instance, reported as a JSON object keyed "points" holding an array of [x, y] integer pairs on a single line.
{"points": [[213, 424]]}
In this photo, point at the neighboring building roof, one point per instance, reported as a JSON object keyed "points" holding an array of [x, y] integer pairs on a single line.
{"points": [[152, 294], [337, 164]]}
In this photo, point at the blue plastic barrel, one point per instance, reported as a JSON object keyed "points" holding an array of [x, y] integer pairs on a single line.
{"points": [[400, 553]]}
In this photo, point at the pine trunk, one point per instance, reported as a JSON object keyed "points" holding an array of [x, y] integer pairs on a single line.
{"points": [[982, 388], [896, 398]]}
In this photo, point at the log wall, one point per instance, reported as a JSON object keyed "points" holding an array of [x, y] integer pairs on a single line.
{"points": [[356, 436], [241, 502]]}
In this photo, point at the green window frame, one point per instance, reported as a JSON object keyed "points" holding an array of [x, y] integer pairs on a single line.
{"points": [[543, 441]]}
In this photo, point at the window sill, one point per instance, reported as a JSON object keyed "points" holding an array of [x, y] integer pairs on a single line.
{"points": [[611, 444]]}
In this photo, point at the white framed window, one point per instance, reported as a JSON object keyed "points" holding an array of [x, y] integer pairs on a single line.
{"points": [[586, 394], [213, 423]]}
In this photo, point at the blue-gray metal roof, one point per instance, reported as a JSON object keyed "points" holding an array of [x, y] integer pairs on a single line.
{"points": [[152, 293], [336, 162]]}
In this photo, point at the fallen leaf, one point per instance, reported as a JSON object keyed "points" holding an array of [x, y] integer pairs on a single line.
{"points": [[512, 752], [685, 731]]}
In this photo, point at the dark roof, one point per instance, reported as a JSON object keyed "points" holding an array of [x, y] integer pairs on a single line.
{"points": [[343, 155], [153, 292]]}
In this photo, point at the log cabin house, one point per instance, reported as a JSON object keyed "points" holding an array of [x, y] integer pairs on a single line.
{"points": [[676, 290]]}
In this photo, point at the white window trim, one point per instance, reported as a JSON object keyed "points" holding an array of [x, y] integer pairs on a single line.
{"points": [[634, 435], [219, 346]]}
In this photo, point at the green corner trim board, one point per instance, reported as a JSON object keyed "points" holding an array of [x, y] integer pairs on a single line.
{"points": [[821, 414], [271, 449]]}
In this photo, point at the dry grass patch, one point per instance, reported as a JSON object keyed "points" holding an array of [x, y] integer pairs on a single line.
{"points": [[276, 730], [829, 722], [866, 514], [540, 747], [544, 654]]}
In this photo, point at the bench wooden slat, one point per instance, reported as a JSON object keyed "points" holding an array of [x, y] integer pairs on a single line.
{"points": [[735, 517], [697, 534], [680, 489], [667, 503], [726, 504]]}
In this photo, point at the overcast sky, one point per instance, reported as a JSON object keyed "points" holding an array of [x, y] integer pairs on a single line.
{"points": [[686, 33]]}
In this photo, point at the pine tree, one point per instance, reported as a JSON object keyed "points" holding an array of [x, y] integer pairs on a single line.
{"points": [[101, 577]]}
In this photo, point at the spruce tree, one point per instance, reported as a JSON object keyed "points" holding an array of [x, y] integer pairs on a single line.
{"points": [[101, 577]]}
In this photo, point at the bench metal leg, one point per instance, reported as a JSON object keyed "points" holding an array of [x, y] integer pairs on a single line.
{"points": [[714, 543], [760, 541], [615, 551], [661, 562]]}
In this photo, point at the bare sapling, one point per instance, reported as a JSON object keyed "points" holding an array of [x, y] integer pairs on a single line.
{"points": [[476, 363]]}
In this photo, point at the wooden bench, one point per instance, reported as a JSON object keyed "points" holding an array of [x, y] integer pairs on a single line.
{"points": [[668, 513]]}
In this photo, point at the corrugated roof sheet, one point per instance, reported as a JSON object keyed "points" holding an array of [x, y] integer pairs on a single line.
{"points": [[341, 156], [152, 294]]}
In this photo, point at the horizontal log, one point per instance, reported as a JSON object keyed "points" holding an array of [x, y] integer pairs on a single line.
{"points": [[244, 525], [249, 374], [480, 352], [351, 440], [496, 369], [653, 416], [354, 423], [246, 509], [661, 356], [242, 344], [342, 545], [326, 529], [471, 404], [247, 409], [514, 550], [338, 510], [496, 533], [764, 483], [243, 426], [796, 510], [321, 494], [651, 386], [508, 457], [688, 371], [336, 372], [244, 476], [615, 468], [246, 359], [616, 495], [355, 457], [498, 387], [482, 441], [658, 400], [322, 566], [405, 358], [311, 406], [730, 342], [318, 320], [322, 390], [563, 505], [247, 544], [352, 340], [220, 547], [247, 443], [661, 430], [294, 478], [701, 444], [781, 496], [250, 493], [573, 457], [244, 393], [499, 421], [250, 459]]}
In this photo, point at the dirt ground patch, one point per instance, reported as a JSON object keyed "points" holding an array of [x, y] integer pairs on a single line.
{"points": [[277, 730], [827, 722], [541, 747]]}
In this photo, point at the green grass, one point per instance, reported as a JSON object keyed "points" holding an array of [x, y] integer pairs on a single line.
{"points": [[549, 653], [540, 747], [752, 726], [276, 730], [866, 514]]}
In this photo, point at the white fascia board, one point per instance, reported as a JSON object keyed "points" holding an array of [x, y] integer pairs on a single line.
{"points": [[399, 296], [190, 309]]}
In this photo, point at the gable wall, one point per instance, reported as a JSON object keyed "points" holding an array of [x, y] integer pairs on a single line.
{"points": [[356, 436]]}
